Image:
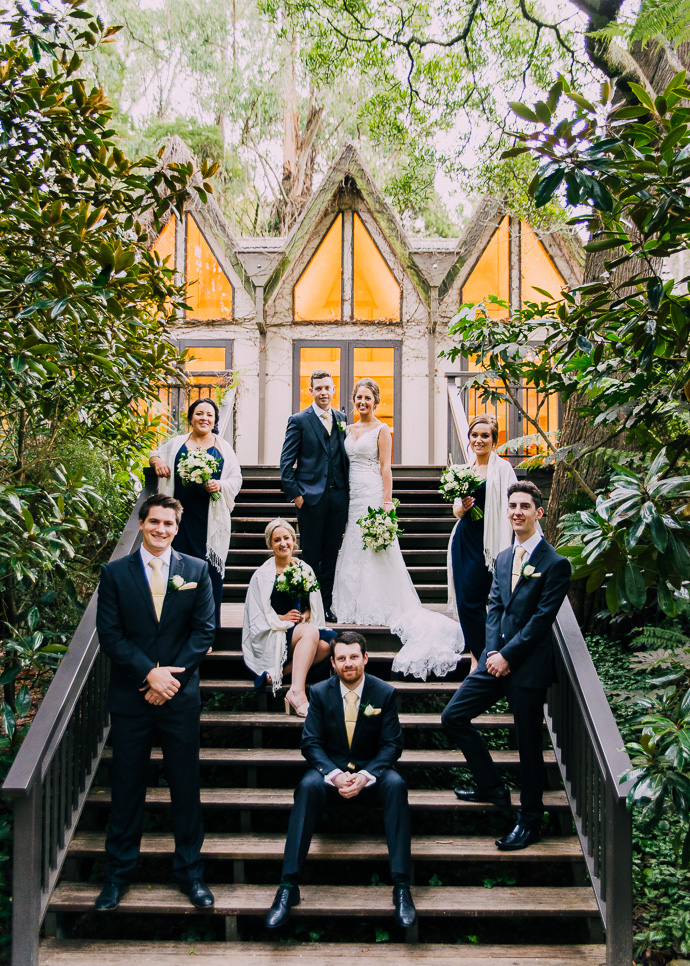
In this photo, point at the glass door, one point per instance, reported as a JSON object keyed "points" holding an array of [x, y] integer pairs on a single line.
{"points": [[349, 361]]}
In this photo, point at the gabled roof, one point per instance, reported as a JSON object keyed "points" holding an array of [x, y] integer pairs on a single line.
{"points": [[223, 241], [348, 164]]}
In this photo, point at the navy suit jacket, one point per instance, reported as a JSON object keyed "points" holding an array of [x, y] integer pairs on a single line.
{"points": [[518, 623], [135, 641], [377, 741], [306, 443]]}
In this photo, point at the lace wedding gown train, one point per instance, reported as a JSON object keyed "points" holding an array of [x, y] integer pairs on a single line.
{"points": [[375, 588]]}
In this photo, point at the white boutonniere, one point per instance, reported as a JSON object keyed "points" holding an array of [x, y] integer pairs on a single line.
{"points": [[370, 710], [342, 425], [528, 571], [178, 583]]}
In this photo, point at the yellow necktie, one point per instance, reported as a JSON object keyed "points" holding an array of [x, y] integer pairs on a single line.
{"points": [[326, 417], [350, 716], [517, 567], [157, 585]]}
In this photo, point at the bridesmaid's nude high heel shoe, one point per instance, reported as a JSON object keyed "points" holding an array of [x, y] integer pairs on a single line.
{"points": [[301, 712]]}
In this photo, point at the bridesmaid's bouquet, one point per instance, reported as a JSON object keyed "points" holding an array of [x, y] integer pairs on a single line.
{"points": [[297, 580], [379, 528], [457, 483], [198, 466]]}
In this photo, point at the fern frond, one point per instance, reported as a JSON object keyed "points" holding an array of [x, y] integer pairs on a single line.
{"points": [[666, 18]]}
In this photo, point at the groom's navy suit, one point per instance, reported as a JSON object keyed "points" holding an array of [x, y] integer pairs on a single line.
{"points": [[135, 641], [376, 747], [518, 625], [314, 465]]}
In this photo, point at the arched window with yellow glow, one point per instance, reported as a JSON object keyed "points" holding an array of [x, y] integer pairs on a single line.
{"points": [[209, 292], [164, 245], [537, 269], [376, 295], [491, 274], [318, 292]]}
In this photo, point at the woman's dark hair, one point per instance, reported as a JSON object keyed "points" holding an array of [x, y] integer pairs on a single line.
{"points": [[209, 402]]}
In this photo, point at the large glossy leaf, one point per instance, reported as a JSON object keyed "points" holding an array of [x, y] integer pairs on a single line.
{"points": [[635, 589]]}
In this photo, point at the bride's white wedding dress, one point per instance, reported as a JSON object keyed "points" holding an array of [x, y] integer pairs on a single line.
{"points": [[375, 588]]}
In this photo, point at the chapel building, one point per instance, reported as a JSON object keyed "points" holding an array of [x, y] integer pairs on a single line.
{"points": [[349, 291]]}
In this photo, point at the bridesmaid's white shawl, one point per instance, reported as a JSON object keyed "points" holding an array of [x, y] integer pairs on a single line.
{"points": [[264, 646], [498, 533], [218, 530]]}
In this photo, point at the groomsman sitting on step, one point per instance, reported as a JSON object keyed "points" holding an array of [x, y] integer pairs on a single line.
{"points": [[352, 740], [155, 621], [314, 475], [529, 584]]}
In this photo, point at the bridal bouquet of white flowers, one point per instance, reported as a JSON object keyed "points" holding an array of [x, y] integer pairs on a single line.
{"points": [[297, 580], [379, 528], [457, 483], [198, 466]]}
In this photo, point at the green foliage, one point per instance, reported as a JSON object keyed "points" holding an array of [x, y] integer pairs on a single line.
{"points": [[84, 307]]}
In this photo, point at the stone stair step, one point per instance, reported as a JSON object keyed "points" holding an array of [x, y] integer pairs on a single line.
{"points": [[421, 799], [342, 901], [424, 757], [264, 847], [87, 952]]}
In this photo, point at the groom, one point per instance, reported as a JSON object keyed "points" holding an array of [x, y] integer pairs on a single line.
{"points": [[529, 584], [313, 473], [351, 741]]}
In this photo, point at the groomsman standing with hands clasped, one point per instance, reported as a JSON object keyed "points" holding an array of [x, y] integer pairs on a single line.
{"points": [[529, 585], [155, 621]]}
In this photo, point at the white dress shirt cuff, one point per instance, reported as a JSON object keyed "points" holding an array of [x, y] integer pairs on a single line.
{"points": [[370, 778], [331, 775]]}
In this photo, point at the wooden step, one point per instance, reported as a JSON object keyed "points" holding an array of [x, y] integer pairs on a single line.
{"points": [[382, 657], [420, 799], [260, 719], [402, 687], [343, 901], [425, 757], [426, 848], [89, 952]]}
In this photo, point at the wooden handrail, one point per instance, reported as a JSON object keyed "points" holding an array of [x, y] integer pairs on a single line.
{"points": [[592, 761]]}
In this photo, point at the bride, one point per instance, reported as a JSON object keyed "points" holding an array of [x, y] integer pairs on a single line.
{"points": [[375, 588]]}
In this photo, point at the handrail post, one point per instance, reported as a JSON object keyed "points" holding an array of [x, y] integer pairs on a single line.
{"points": [[618, 881], [26, 877]]}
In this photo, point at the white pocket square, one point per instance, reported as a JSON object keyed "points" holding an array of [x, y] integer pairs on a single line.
{"points": [[190, 586]]}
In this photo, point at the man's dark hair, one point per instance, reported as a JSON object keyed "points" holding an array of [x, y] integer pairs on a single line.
{"points": [[349, 637], [527, 486], [159, 499], [319, 374]]}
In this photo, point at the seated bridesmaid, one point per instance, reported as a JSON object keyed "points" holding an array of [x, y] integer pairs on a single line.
{"points": [[475, 544], [277, 637]]}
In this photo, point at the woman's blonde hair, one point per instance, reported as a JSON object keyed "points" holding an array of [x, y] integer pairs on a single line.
{"points": [[490, 421], [273, 525], [368, 384]]}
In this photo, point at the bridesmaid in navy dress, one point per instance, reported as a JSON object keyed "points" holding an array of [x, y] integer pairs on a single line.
{"points": [[475, 543]]}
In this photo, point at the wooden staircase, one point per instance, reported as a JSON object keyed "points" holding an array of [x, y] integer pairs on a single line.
{"points": [[476, 905]]}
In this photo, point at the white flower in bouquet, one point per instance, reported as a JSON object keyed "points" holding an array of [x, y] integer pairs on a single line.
{"points": [[457, 483], [198, 466], [379, 528], [297, 580]]}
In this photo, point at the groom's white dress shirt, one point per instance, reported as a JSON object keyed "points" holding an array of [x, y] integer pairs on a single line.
{"points": [[338, 771], [325, 416]]}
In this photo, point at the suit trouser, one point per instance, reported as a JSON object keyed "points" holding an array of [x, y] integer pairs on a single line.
{"points": [[312, 794], [132, 740], [478, 693], [321, 529]]}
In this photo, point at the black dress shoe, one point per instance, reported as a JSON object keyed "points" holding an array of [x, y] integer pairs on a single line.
{"points": [[330, 616], [519, 838], [499, 795], [279, 912], [198, 893], [110, 896], [403, 906]]}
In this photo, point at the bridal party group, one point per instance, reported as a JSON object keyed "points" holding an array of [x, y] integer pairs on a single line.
{"points": [[159, 608]]}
